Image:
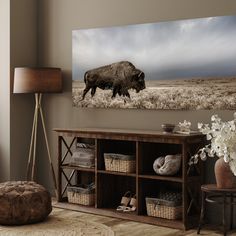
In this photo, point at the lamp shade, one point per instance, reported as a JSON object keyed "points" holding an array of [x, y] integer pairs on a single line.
{"points": [[37, 80]]}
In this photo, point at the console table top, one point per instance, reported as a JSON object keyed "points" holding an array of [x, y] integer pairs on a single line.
{"points": [[125, 132]]}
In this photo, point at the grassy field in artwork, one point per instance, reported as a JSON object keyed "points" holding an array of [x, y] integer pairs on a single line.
{"points": [[185, 94]]}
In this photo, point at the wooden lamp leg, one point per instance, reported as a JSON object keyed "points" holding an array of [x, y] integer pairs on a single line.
{"points": [[35, 137], [32, 141], [32, 151]]}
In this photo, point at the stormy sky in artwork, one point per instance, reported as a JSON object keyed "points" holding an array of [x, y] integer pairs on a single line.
{"points": [[204, 47]]}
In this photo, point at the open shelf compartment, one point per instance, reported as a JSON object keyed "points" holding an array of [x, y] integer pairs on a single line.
{"points": [[150, 188], [113, 146], [110, 190], [148, 152]]}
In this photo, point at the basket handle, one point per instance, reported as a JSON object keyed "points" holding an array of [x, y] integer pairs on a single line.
{"points": [[114, 158], [157, 204]]}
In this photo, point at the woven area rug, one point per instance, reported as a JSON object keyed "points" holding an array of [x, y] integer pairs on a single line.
{"points": [[59, 223]]}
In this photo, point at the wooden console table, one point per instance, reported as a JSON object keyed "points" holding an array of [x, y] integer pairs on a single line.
{"points": [[110, 186]]}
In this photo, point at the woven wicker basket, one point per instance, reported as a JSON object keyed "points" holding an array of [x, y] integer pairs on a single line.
{"points": [[119, 162], [81, 196], [163, 209]]}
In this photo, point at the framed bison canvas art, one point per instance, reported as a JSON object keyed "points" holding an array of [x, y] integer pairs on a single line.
{"points": [[185, 64]]}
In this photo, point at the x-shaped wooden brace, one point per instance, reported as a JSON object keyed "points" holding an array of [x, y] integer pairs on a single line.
{"points": [[68, 151], [68, 180]]}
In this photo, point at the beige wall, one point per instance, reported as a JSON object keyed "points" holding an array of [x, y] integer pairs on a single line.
{"points": [[4, 89], [57, 19], [23, 52], [18, 47]]}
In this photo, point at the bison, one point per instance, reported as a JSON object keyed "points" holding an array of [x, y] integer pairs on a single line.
{"points": [[119, 77]]}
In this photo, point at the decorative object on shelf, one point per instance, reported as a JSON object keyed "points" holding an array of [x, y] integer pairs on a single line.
{"points": [[120, 162], [132, 204], [168, 165], [82, 194], [124, 201], [222, 138], [185, 127], [37, 81], [128, 203], [168, 205], [168, 128], [23, 202], [83, 156]]}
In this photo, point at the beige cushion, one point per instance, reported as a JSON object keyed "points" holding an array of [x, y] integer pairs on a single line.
{"points": [[168, 165], [23, 202]]}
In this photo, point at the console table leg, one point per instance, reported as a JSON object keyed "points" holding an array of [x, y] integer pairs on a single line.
{"points": [[59, 159], [202, 213], [224, 213], [231, 211]]}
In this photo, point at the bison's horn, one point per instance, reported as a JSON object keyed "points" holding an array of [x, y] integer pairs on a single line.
{"points": [[140, 74]]}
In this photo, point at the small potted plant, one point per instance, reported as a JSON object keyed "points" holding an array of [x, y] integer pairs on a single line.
{"points": [[222, 144]]}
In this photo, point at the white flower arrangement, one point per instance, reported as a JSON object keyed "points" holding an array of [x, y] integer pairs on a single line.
{"points": [[222, 137]]}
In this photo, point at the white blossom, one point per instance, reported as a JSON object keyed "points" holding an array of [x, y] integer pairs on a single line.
{"points": [[222, 136], [203, 156], [226, 158], [208, 137]]}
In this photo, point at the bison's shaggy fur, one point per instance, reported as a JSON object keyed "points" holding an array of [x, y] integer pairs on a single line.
{"points": [[119, 76]]}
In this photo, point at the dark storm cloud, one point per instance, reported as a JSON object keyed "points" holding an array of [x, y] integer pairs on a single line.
{"points": [[167, 50]]}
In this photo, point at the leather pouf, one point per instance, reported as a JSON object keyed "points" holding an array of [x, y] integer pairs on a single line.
{"points": [[23, 202]]}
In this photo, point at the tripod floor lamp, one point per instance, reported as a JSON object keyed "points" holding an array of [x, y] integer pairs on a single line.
{"points": [[37, 81]]}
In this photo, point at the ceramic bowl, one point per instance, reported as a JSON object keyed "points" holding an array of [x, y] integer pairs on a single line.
{"points": [[168, 128]]}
